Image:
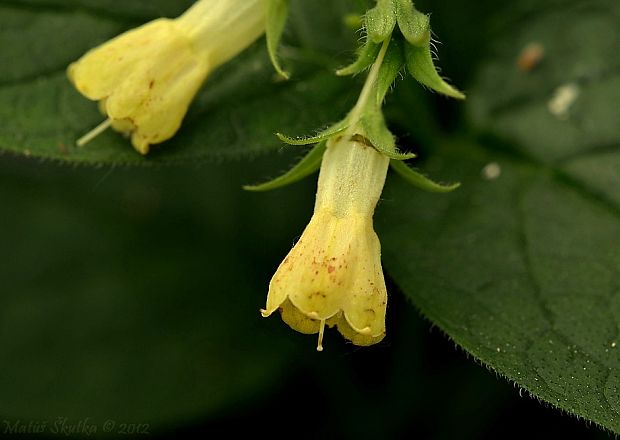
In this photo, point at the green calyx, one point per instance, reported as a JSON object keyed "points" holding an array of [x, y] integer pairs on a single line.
{"points": [[398, 37], [381, 20], [420, 65], [310, 163], [372, 127], [414, 25], [366, 55], [306, 166], [413, 35], [324, 135], [420, 180]]}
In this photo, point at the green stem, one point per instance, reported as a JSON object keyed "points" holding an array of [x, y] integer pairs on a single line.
{"points": [[365, 94]]}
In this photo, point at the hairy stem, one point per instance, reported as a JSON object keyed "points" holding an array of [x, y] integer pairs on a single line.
{"points": [[367, 90]]}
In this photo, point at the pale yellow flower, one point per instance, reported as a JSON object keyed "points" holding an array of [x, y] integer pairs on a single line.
{"points": [[333, 275], [146, 78]]}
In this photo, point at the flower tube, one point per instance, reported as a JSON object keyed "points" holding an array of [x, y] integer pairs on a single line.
{"points": [[146, 78]]}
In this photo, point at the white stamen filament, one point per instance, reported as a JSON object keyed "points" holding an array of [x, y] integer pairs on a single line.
{"points": [[94, 133], [319, 346]]}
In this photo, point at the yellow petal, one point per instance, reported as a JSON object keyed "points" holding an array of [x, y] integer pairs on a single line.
{"points": [[365, 308], [97, 74], [297, 320]]}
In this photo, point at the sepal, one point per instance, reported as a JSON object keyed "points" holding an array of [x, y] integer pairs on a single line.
{"points": [[366, 55], [322, 136], [414, 25], [373, 128], [421, 181], [310, 163], [420, 65], [390, 69], [381, 20]]}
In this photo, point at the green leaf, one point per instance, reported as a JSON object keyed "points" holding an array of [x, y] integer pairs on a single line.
{"points": [[235, 114], [414, 25], [380, 21], [365, 57], [421, 66], [277, 14], [521, 271], [420, 180], [310, 163], [520, 266]]}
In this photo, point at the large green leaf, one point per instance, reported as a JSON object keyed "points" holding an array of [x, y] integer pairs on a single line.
{"points": [[520, 266], [521, 271], [236, 113]]}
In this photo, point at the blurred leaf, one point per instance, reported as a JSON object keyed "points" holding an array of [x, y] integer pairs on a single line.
{"points": [[520, 265], [134, 296], [523, 107], [236, 113]]}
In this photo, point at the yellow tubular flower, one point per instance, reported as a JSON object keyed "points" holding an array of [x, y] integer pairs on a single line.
{"points": [[146, 78], [333, 274]]}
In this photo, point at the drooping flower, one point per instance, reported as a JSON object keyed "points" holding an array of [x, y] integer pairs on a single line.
{"points": [[146, 78], [333, 275]]}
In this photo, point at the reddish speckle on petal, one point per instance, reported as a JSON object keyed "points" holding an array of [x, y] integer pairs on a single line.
{"points": [[330, 269]]}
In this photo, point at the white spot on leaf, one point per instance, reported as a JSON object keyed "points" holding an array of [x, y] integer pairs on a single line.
{"points": [[562, 100], [491, 171]]}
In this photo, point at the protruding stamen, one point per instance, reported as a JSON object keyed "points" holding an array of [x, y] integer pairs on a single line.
{"points": [[264, 313], [94, 133], [319, 346]]}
